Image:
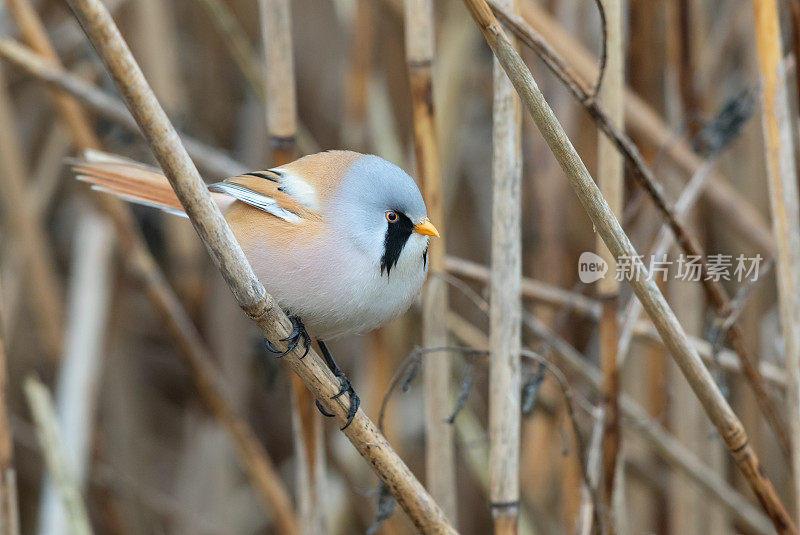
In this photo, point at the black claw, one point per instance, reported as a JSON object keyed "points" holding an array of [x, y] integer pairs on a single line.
{"points": [[345, 386], [298, 333], [355, 403], [322, 410]]}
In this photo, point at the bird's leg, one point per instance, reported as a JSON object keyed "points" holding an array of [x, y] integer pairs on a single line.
{"points": [[345, 386], [298, 333]]}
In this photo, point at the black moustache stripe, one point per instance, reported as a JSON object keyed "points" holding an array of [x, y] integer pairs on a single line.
{"points": [[397, 235]]}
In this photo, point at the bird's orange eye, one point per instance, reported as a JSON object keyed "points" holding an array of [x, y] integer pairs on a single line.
{"points": [[391, 216]]}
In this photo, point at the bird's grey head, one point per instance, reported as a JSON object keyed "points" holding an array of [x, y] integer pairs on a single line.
{"points": [[377, 207]]}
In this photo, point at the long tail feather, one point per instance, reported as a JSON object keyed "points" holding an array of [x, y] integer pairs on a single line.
{"points": [[127, 179]]}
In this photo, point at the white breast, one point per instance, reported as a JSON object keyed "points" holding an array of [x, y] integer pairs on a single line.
{"points": [[336, 289]]}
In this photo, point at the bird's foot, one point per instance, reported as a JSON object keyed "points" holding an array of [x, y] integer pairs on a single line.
{"points": [[298, 333], [345, 387]]}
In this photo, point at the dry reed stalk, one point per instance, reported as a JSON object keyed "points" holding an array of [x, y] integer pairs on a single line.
{"points": [[644, 121], [28, 232], [715, 404], [77, 384], [635, 419], [611, 181], [9, 512], [142, 265], [353, 130], [440, 471], [58, 468], [281, 101], [505, 305], [782, 180], [230, 259], [37, 65], [715, 291], [281, 115]]}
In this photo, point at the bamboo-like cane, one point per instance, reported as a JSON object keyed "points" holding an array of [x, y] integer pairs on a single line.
{"points": [[644, 121], [9, 513], [782, 179], [701, 381], [611, 180], [44, 414], [505, 304], [196, 356], [281, 109], [28, 231], [230, 259], [716, 293], [440, 470]]}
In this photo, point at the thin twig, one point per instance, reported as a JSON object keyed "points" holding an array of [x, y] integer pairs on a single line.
{"points": [[601, 68]]}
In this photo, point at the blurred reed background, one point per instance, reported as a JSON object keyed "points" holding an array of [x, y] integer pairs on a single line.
{"points": [[187, 425]]}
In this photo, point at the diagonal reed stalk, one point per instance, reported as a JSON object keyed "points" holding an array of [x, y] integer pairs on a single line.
{"points": [[229, 258], [714, 289], [440, 471], [716, 406]]}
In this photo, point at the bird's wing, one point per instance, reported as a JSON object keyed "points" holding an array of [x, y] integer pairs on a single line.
{"points": [[267, 198], [301, 187], [274, 191]]}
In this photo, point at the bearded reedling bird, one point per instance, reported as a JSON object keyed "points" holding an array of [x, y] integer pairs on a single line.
{"points": [[340, 239]]}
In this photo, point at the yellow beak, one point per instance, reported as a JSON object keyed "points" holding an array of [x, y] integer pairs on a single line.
{"points": [[426, 228]]}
